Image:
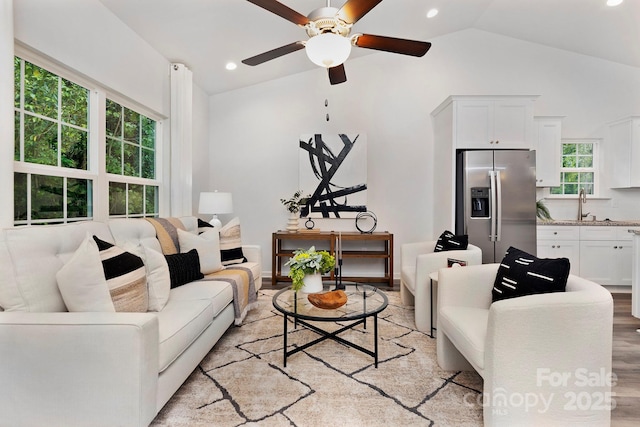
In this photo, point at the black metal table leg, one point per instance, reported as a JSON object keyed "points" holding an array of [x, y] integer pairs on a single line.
{"points": [[375, 338], [285, 340]]}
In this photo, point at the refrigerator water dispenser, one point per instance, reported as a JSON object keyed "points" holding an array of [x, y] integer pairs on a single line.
{"points": [[479, 202]]}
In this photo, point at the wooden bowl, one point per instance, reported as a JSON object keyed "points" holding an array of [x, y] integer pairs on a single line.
{"points": [[328, 300]]}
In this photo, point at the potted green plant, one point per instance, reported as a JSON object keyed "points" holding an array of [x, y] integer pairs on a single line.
{"points": [[542, 212], [306, 268], [293, 205]]}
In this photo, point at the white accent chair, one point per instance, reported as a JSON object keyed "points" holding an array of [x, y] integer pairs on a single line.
{"points": [[545, 359], [418, 260]]}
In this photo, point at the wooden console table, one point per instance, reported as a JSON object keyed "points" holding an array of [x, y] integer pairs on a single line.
{"points": [[326, 240]]}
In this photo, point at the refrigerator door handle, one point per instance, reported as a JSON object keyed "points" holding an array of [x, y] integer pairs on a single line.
{"points": [[499, 209], [492, 215]]}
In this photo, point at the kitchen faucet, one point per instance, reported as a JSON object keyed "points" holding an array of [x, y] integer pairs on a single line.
{"points": [[582, 198]]}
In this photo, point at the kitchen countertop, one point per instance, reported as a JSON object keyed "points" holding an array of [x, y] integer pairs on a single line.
{"points": [[589, 222]]}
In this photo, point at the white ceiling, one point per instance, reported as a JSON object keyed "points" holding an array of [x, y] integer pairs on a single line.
{"points": [[206, 34]]}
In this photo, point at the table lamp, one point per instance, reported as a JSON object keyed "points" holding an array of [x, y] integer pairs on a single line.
{"points": [[215, 203]]}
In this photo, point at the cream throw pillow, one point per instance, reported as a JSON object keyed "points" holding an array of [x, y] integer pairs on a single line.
{"points": [[81, 280], [208, 246], [158, 279]]}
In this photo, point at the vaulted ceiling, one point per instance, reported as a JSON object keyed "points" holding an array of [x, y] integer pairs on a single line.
{"points": [[206, 34]]}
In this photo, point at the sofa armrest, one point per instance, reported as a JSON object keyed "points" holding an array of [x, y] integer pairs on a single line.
{"points": [[78, 369], [253, 253], [468, 286]]}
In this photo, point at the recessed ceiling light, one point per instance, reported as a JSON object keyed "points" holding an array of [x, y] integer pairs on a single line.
{"points": [[432, 12], [614, 2], [231, 66]]}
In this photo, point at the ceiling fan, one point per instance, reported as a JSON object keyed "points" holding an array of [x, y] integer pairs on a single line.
{"points": [[329, 43]]}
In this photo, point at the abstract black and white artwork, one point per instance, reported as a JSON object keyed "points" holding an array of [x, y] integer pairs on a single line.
{"points": [[333, 169]]}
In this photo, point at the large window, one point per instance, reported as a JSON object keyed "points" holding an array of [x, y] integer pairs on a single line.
{"points": [[52, 132], [130, 152], [57, 167], [579, 160]]}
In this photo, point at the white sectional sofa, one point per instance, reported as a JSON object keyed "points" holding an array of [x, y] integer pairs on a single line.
{"points": [[97, 369], [545, 359]]}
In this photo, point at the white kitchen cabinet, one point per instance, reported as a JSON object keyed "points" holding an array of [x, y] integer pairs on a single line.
{"points": [[560, 242], [493, 122], [547, 141], [606, 255], [624, 153], [603, 254]]}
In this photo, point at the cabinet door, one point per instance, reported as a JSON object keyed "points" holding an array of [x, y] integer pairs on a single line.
{"points": [[597, 261], [624, 163], [561, 249], [513, 123], [547, 142], [623, 255], [474, 124]]}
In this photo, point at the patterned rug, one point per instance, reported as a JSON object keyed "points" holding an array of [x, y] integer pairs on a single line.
{"points": [[242, 380]]}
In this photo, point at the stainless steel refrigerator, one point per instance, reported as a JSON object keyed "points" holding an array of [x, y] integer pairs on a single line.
{"points": [[496, 200]]}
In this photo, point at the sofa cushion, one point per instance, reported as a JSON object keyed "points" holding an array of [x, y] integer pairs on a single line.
{"points": [[180, 323], [126, 277], [466, 327], [450, 242], [218, 292], [231, 243], [184, 268], [208, 246], [521, 273], [190, 310], [82, 281]]}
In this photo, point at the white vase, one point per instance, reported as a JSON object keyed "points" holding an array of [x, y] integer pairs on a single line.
{"points": [[292, 224], [312, 283]]}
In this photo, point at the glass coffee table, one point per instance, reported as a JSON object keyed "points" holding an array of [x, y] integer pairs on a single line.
{"points": [[363, 301]]}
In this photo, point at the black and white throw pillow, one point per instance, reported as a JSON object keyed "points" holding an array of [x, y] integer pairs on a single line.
{"points": [[450, 242], [231, 243], [126, 277], [203, 226], [521, 273]]}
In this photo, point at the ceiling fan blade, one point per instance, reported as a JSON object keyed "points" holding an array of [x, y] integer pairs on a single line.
{"points": [[337, 74], [392, 44], [273, 54], [281, 10], [353, 10]]}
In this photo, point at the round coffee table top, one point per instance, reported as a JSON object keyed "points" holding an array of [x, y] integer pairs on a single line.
{"points": [[362, 301]]}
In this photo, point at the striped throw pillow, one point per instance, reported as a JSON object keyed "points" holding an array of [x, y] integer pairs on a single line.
{"points": [[126, 277], [231, 243]]}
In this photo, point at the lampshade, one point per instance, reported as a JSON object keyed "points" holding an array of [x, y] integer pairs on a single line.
{"points": [[215, 203], [328, 49]]}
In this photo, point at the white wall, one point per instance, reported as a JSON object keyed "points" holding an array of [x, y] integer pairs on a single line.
{"points": [[254, 131], [85, 36]]}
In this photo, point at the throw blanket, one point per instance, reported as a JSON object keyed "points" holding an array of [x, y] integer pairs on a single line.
{"points": [[244, 289], [167, 233]]}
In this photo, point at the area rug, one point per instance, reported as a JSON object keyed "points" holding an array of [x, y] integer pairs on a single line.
{"points": [[242, 381]]}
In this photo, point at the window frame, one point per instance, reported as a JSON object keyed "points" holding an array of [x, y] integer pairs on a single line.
{"points": [[595, 169], [96, 141]]}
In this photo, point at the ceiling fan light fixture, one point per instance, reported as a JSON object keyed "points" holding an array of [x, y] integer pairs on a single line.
{"points": [[328, 49]]}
